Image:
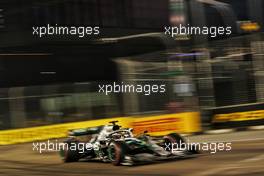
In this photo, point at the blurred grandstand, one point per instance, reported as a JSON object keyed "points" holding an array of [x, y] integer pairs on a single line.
{"points": [[55, 79]]}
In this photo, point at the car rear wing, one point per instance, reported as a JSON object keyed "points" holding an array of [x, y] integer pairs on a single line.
{"points": [[85, 131]]}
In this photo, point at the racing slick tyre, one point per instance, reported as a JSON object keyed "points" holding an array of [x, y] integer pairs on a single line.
{"points": [[70, 154], [116, 152], [172, 139], [176, 139]]}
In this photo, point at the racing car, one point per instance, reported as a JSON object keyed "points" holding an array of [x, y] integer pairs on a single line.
{"points": [[111, 143]]}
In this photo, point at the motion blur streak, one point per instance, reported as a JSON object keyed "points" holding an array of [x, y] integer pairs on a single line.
{"points": [[246, 158], [214, 84]]}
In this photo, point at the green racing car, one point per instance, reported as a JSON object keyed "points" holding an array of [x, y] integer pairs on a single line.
{"points": [[111, 143]]}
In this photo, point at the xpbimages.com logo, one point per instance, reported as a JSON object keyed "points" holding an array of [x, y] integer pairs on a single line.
{"points": [[211, 147], [145, 89], [80, 31], [55, 146], [196, 30]]}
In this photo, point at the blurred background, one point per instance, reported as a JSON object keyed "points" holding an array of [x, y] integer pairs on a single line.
{"points": [[213, 85], [55, 79]]}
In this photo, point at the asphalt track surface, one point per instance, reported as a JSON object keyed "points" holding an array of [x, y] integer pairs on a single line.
{"points": [[245, 159]]}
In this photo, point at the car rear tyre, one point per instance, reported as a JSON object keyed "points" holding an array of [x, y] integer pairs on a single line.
{"points": [[171, 140], [116, 152], [69, 153]]}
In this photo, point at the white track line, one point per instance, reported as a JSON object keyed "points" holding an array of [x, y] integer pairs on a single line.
{"points": [[220, 131], [261, 127], [237, 165]]}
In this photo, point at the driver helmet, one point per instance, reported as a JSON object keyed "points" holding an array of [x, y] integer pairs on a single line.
{"points": [[116, 127]]}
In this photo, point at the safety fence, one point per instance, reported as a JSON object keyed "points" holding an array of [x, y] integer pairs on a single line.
{"points": [[236, 116], [188, 122], [223, 81]]}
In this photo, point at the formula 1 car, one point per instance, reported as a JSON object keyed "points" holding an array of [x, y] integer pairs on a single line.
{"points": [[110, 143]]}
